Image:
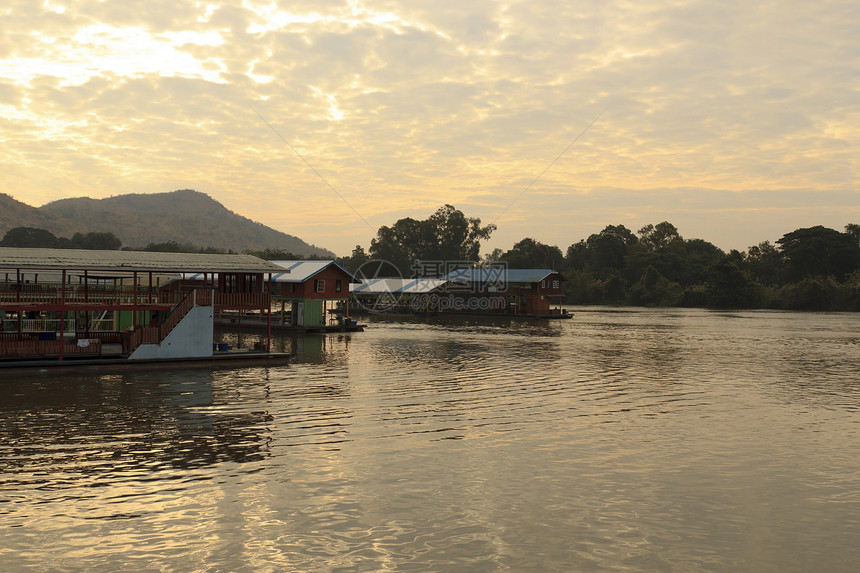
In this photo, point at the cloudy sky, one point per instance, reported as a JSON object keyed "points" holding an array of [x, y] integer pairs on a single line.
{"points": [[738, 121]]}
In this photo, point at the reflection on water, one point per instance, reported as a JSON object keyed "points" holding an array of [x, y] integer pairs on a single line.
{"points": [[643, 440], [134, 421]]}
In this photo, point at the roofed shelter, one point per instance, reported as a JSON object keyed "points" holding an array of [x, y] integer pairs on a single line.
{"points": [[527, 292], [240, 285], [309, 286], [396, 295]]}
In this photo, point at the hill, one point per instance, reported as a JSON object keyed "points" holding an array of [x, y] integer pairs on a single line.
{"points": [[184, 216], [14, 213]]}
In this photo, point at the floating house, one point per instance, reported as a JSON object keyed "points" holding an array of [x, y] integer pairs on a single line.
{"points": [[530, 293], [312, 289], [499, 290], [50, 300]]}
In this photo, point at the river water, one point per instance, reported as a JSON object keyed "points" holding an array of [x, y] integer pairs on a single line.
{"points": [[620, 440]]}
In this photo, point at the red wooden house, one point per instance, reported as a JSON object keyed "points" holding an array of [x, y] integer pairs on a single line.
{"points": [[528, 292], [311, 288]]}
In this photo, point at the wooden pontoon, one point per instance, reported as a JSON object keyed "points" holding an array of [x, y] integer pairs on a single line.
{"points": [[48, 298]]}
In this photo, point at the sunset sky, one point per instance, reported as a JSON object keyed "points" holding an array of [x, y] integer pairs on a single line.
{"points": [[737, 121]]}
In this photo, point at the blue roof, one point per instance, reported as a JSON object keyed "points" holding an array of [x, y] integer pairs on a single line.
{"points": [[490, 275]]}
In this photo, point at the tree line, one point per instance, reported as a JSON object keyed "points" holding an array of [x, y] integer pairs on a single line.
{"points": [[33, 237], [815, 268]]}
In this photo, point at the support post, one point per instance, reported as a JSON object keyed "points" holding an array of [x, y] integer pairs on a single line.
{"points": [[62, 314], [20, 312], [87, 301], [134, 304], [269, 318]]}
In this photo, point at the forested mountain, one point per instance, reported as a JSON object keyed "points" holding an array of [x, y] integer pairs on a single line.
{"points": [[185, 216], [14, 213]]}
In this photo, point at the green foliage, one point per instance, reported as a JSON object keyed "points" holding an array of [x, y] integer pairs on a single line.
{"points": [[730, 287], [531, 254], [353, 262], [176, 247], [95, 241], [447, 235], [765, 263], [654, 238], [612, 290], [29, 237], [40, 238], [809, 294], [653, 289], [695, 296], [274, 255], [808, 269], [168, 247], [579, 287], [820, 252]]}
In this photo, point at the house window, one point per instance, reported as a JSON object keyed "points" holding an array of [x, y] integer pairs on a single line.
{"points": [[319, 285], [337, 285], [543, 284], [554, 284]]}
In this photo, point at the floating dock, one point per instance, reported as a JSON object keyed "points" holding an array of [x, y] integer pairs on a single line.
{"points": [[257, 325], [228, 359]]}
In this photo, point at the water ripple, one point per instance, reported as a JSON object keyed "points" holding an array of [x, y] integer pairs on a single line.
{"points": [[619, 440]]}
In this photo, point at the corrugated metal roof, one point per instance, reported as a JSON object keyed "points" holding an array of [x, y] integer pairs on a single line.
{"points": [[80, 260], [499, 275], [300, 271], [397, 286]]}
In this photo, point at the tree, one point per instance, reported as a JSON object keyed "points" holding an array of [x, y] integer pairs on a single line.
{"points": [[492, 257], [653, 289], [29, 237], [608, 249], [853, 229], [699, 258], [655, 238], [446, 236], [353, 262], [819, 252], [730, 287], [96, 241], [531, 254], [165, 247], [455, 237], [401, 244], [765, 263], [577, 255], [660, 247]]}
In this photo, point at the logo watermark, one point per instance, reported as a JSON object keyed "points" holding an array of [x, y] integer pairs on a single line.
{"points": [[435, 286], [443, 302]]}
